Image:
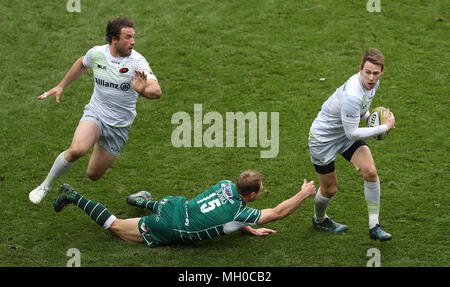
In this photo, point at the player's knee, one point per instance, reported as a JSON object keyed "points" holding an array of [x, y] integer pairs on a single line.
{"points": [[93, 175], [369, 173], [122, 230], [116, 228], [329, 189], [74, 153]]}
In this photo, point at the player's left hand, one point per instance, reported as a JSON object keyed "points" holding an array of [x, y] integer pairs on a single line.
{"points": [[263, 231], [390, 119], [140, 82]]}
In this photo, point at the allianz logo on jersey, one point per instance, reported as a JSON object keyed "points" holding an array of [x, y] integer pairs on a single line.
{"points": [[123, 86]]}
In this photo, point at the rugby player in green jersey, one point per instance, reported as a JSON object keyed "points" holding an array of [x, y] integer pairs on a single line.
{"points": [[216, 212]]}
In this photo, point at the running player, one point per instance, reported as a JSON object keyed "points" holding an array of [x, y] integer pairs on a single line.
{"points": [[120, 75], [216, 212], [336, 130]]}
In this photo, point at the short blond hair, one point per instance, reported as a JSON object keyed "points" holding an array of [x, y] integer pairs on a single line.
{"points": [[374, 56], [249, 181]]}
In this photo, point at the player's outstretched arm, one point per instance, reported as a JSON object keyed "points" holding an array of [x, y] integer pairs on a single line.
{"points": [[257, 231], [148, 88], [74, 73], [288, 206]]}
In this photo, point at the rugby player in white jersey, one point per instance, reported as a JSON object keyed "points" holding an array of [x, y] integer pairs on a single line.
{"points": [[336, 130], [120, 75]]}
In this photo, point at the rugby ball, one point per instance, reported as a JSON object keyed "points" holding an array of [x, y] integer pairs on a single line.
{"points": [[376, 118]]}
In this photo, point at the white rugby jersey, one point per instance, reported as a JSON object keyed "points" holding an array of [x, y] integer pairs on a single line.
{"points": [[341, 113], [114, 98]]}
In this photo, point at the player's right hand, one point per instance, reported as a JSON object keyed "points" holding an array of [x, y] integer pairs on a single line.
{"points": [[55, 91]]}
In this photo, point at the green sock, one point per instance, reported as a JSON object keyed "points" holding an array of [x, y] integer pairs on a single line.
{"points": [[148, 204], [95, 210]]}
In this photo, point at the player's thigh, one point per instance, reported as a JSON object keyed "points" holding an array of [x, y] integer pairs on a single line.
{"points": [[127, 229], [362, 160], [99, 162], [86, 135], [328, 183]]}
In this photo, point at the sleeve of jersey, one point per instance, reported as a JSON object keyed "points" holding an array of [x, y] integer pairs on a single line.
{"points": [[350, 117], [143, 65], [245, 217], [87, 58], [249, 215]]}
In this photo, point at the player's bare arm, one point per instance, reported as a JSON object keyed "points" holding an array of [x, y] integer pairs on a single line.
{"points": [[257, 231], [74, 73], [148, 88], [288, 206]]}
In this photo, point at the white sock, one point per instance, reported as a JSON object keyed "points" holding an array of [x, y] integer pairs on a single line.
{"points": [[320, 207], [372, 193], [60, 167]]}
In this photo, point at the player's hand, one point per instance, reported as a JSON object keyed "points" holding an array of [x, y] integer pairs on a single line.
{"points": [[55, 91], [140, 82], [263, 231], [308, 188], [389, 119]]}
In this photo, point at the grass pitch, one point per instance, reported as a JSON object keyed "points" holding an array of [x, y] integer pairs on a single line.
{"points": [[229, 56]]}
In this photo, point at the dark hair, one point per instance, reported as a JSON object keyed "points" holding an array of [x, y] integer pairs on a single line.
{"points": [[114, 27], [374, 56], [249, 181]]}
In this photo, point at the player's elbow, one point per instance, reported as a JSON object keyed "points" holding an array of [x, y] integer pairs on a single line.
{"points": [[153, 90], [273, 214], [278, 214], [352, 131], [153, 93], [352, 136], [157, 93], [284, 213]]}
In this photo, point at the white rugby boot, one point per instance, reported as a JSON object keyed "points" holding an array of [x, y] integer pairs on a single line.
{"points": [[39, 193]]}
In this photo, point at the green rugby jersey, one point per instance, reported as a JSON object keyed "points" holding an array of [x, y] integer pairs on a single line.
{"points": [[217, 211]]}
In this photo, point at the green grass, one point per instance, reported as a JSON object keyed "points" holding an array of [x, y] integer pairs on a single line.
{"points": [[229, 56]]}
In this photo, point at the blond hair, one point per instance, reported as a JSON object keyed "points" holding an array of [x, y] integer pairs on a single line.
{"points": [[249, 181], [374, 56]]}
